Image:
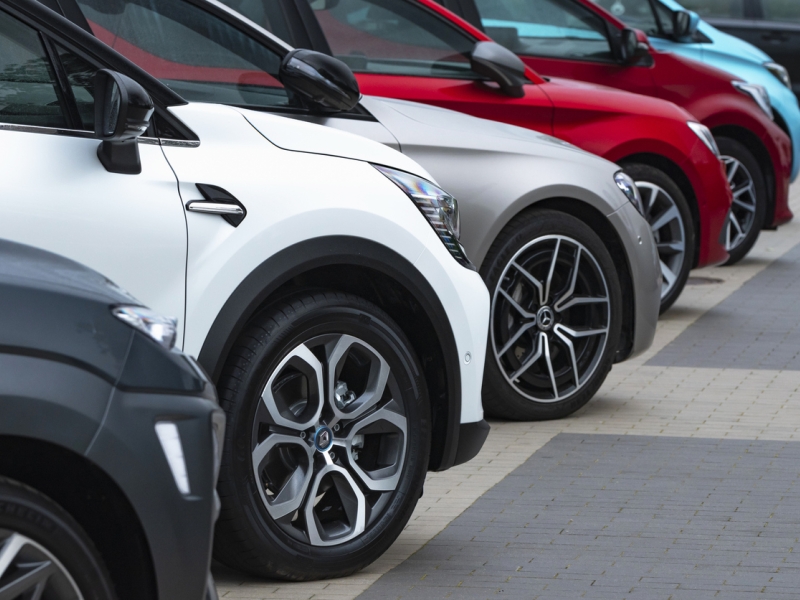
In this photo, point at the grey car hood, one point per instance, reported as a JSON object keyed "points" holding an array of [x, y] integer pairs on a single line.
{"points": [[465, 131]]}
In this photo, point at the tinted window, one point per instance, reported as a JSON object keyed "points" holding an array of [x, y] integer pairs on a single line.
{"points": [[634, 13], [781, 10], [28, 93], [81, 79], [266, 13], [732, 9], [198, 55], [393, 37], [555, 28]]}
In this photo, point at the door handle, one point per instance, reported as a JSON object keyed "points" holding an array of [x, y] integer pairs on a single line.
{"points": [[218, 202]]}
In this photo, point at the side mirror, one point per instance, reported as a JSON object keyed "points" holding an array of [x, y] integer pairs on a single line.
{"points": [[324, 83], [684, 24], [631, 50], [500, 65], [122, 111]]}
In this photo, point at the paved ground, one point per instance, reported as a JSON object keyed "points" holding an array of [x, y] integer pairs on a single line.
{"points": [[679, 478]]}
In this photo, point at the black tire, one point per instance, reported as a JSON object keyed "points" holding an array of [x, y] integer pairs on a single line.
{"points": [[750, 198], [675, 270], [247, 535], [44, 532], [527, 239]]}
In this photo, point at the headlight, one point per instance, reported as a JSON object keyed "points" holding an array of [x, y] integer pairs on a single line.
{"points": [[704, 133], [438, 207], [162, 330], [757, 93], [780, 72], [628, 187]]}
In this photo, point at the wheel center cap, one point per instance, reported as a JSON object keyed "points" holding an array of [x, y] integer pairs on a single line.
{"points": [[323, 439], [545, 318]]}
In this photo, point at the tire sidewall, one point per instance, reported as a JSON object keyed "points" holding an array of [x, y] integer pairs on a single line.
{"points": [[377, 330], [500, 399]]}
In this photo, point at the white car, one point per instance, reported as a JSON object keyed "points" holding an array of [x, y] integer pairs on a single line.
{"points": [[329, 299]]}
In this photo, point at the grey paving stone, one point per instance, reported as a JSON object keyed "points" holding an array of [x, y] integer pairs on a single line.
{"points": [[756, 327], [624, 517]]}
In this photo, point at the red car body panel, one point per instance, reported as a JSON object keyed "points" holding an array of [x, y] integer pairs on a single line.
{"points": [[704, 91], [613, 124]]}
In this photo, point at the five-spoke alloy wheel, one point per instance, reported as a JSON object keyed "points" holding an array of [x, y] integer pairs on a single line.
{"points": [[555, 317], [670, 219], [749, 208], [329, 439]]}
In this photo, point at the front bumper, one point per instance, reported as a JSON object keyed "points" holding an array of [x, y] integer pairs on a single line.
{"points": [[714, 198], [465, 298], [642, 255], [784, 102], [178, 528]]}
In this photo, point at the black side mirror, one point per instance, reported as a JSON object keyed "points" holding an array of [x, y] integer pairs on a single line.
{"points": [[631, 50], [684, 24], [500, 65], [324, 83], [122, 111]]}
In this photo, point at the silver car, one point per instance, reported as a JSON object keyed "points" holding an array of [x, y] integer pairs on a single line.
{"points": [[556, 232]]}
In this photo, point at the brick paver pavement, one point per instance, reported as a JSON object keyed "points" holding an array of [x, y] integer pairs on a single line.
{"points": [[638, 398]]}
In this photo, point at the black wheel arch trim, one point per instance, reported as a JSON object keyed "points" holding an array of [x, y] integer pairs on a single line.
{"points": [[471, 437], [261, 286]]}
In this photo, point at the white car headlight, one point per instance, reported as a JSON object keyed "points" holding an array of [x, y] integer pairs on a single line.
{"points": [[438, 207], [628, 186], [160, 329], [780, 72], [758, 93], [705, 135]]}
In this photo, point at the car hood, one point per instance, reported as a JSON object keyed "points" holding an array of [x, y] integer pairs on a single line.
{"points": [[299, 136], [29, 267], [448, 128]]}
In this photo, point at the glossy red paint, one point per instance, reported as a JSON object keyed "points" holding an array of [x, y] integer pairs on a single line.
{"points": [[704, 91], [616, 125]]}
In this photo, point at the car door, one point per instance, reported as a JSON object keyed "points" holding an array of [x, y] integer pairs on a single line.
{"points": [[58, 196], [401, 49], [779, 33], [562, 38]]}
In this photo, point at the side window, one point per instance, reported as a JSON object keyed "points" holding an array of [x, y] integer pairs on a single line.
{"points": [[634, 13], [731, 9], [201, 57], [28, 89], [400, 38], [552, 28], [781, 10], [81, 80]]}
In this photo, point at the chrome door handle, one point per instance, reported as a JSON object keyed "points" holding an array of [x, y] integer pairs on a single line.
{"points": [[218, 202]]}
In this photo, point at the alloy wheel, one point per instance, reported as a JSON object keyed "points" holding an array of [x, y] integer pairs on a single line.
{"points": [[668, 229], [329, 440], [29, 570], [743, 210], [551, 312]]}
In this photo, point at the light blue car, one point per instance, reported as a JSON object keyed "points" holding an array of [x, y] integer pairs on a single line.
{"points": [[717, 49]]}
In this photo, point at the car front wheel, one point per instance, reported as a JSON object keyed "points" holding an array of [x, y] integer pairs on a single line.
{"points": [[44, 553], [327, 441], [556, 317]]}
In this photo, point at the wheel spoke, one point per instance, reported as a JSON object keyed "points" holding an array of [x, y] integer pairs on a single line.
{"points": [[733, 168], [353, 504], [581, 333], [530, 362], [572, 280], [744, 205], [546, 297], [668, 215], [376, 382], [667, 274], [558, 331], [550, 365], [11, 547], [302, 360], [653, 196], [510, 343], [671, 247], [290, 497], [385, 478], [535, 282], [524, 313]]}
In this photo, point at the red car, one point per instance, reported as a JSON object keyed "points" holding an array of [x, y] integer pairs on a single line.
{"points": [[579, 39], [417, 50]]}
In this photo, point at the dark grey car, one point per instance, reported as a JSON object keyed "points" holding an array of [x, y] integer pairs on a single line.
{"points": [[108, 442]]}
